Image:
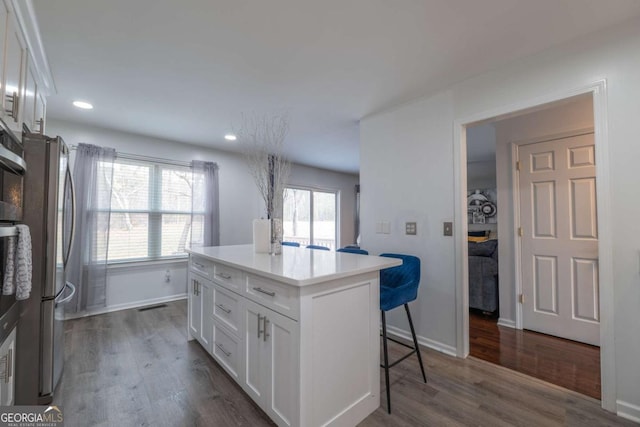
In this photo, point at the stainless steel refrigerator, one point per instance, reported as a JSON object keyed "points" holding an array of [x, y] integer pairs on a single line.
{"points": [[49, 212]]}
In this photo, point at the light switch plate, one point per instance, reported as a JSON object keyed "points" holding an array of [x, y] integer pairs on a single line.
{"points": [[448, 229], [411, 228], [386, 227]]}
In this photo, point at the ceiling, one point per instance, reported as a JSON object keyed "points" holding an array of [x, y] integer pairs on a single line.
{"points": [[187, 70]]}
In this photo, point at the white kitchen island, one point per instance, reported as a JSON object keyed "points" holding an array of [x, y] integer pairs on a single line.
{"points": [[298, 331]]}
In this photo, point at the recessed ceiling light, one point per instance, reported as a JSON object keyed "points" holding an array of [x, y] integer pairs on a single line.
{"points": [[83, 105], [230, 137]]}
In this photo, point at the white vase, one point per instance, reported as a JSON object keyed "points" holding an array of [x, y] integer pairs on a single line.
{"points": [[262, 235]]}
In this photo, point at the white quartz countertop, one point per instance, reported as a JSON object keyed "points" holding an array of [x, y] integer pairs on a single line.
{"points": [[296, 266]]}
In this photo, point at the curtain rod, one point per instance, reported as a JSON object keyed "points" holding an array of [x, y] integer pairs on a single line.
{"points": [[130, 156]]}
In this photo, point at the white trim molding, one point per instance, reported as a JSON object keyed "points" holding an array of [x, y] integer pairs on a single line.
{"points": [[507, 323], [426, 342], [628, 411], [598, 90], [126, 306], [28, 21]]}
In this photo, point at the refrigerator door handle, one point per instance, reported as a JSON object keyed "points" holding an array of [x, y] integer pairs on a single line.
{"points": [[68, 297], [73, 218]]}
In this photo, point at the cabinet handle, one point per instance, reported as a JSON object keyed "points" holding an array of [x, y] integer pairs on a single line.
{"points": [[221, 347], [194, 286], [197, 288], [13, 99], [265, 334], [262, 291], [197, 264], [259, 319], [223, 308], [40, 124], [224, 276]]}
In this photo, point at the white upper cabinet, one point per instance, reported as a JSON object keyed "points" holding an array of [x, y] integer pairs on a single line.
{"points": [[25, 78], [40, 110], [29, 104], [14, 72]]}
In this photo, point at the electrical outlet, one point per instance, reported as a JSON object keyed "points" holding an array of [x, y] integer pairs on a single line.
{"points": [[411, 228], [167, 276], [448, 229]]}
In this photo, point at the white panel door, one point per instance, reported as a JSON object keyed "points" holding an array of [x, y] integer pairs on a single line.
{"points": [[282, 358], [560, 238]]}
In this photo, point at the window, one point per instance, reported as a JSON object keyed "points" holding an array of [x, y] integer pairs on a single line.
{"points": [[151, 210], [310, 217]]}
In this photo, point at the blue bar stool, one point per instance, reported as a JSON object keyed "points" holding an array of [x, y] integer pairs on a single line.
{"points": [[294, 244], [353, 251], [322, 248], [398, 286]]}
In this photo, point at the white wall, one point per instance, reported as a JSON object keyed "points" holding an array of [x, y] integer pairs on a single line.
{"points": [[240, 203], [568, 117], [407, 170]]}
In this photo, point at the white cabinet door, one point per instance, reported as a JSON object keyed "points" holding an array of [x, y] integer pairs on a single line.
{"points": [[40, 110], [271, 362], [195, 308], [3, 34], [282, 360], [29, 104], [7, 366], [14, 70], [255, 362]]}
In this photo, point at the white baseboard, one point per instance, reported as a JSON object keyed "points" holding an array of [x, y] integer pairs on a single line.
{"points": [[507, 323], [126, 306], [432, 344], [628, 411]]}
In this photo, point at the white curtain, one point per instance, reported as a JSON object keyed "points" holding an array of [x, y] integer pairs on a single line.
{"points": [[205, 198], [87, 267]]}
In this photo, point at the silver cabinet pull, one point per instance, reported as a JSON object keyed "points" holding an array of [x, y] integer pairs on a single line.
{"points": [[224, 276], [223, 308], [40, 124], [265, 334], [221, 347], [13, 99], [10, 364], [262, 291], [197, 264], [259, 319], [197, 288]]}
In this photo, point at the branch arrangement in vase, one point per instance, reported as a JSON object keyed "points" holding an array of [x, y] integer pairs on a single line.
{"points": [[262, 141]]}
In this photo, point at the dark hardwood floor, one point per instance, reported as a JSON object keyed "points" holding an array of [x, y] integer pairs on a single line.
{"points": [[135, 368], [566, 363]]}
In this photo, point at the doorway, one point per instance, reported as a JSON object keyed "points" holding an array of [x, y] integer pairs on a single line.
{"points": [[510, 314]]}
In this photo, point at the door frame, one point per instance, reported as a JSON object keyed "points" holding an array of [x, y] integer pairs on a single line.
{"points": [[598, 91]]}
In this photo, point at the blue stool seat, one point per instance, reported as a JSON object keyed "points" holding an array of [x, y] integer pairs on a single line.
{"points": [[294, 244], [322, 248], [353, 251], [399, 286]]}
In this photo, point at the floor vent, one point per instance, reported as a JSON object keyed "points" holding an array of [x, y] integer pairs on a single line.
{"points": [[151, 307]]}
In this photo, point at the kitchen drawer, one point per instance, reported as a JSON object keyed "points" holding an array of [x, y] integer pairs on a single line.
{"points": [[276, 296], [229, 277], [226, 350], [226, 308], [201, 266]]}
